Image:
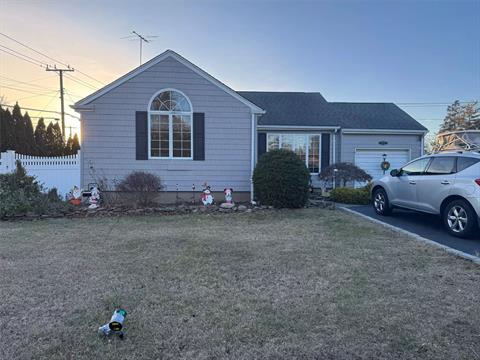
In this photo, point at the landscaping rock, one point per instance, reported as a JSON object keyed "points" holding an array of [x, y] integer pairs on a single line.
{"points": [[242, 208]]}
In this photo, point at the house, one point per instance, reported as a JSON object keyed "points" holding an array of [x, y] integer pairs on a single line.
{"points": [[171, 118]]}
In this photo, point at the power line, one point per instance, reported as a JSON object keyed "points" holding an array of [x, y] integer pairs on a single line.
{"points": [[21, 58], [49, 57], [81, 82], [24, 82], [26, 56], [45, 111], [29, 91]]}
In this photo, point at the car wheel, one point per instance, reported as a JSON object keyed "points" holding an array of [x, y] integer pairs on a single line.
{"points": [[459, 218], [381, 204]]}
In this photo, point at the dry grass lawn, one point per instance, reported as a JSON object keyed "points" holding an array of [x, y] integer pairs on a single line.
{"points": [[289, 284]]}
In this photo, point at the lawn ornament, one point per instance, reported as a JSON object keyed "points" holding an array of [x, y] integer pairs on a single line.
{"points": [[94, 199], [228, 204], [228, 192], [115, 325], [74, 196], [207, 197]]}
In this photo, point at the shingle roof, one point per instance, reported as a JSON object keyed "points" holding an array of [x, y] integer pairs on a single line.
{"points": [[311, 109]]}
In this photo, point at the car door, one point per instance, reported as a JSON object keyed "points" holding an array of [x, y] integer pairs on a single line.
{"points": [[436, 183], [404, 190]]}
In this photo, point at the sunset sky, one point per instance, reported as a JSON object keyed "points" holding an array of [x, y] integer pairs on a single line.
{"points": [[419, 52]]}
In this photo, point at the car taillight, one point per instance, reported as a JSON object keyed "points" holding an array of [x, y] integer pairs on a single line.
{"points": [[478, 182]]}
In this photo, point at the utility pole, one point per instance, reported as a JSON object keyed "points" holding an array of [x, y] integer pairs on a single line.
{"points": [[60, 72]]}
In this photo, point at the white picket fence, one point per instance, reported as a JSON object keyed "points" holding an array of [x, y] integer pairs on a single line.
{"points": [[61, 172]]}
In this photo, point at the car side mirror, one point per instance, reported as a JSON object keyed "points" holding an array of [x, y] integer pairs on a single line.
{"points": [[395, 173]]}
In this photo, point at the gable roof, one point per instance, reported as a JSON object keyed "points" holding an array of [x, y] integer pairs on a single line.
{"points": [[311, 109], [168, 53]]}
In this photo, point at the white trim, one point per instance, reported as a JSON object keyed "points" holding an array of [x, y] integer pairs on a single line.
{"points": [[252, 158], [299, 128], [169, 89], [383, 131], [170, 115], [166, 54], [334, 135], [474, 259], [422, 144]]}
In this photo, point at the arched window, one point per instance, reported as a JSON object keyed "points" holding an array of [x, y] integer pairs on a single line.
{"points": [[170, 124]]}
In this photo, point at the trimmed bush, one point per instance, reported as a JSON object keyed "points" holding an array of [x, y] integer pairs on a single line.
{"points": [[143, 187], [281, 179], [21, 194], [346, 195]]}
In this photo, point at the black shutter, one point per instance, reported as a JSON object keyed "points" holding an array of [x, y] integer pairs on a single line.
{"points": [[261, 144], [325, 151], [141, 135], [198, 136]]}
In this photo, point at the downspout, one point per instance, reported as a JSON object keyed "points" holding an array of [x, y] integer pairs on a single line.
{"points": [[422, 150], [252, 158], [334, 146]]}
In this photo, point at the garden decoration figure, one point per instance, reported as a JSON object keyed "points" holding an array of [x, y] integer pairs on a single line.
{"points": [[228, 204], [207, 197], [115, 325], [94, 199], [228, 195], [193, 194], [74, 196]]}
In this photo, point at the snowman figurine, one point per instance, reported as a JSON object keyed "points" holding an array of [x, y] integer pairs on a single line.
{"points": [[207, 197], [94, 198]]}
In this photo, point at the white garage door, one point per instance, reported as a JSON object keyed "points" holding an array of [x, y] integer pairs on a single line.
{"points": [[370, 160]]}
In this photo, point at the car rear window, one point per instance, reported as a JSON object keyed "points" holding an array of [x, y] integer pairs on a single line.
{"points": [[441, 165], [466, 162]]}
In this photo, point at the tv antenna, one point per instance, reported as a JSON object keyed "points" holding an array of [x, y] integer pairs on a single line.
{"points": [[134, 36]]}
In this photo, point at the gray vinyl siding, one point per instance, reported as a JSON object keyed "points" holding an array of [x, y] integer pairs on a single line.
{"points": [[351, 142], [108, 132]]}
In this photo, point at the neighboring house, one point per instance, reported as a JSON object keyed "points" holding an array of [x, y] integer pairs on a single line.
{"points": [[171, 118]]}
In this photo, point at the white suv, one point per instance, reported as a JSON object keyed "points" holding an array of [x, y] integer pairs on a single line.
{"points": [[447, 184]]}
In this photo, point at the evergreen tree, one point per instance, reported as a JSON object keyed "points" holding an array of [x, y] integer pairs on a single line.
{"points": [[30, 146], [3, 129], [41, 138], [59, 144], [75, 144], [472, 116], [50, 141], [19, 129], [461, 117], [68, 147], [9, 130]]}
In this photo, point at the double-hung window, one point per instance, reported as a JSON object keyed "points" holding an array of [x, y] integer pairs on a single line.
{"points": [[306, 146], [170, 126]]}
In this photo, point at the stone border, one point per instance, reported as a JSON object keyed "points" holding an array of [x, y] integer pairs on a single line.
{"points": [[472, 258]]}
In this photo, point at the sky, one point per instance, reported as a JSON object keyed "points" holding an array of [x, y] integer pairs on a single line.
{"points": [[413, 53]]}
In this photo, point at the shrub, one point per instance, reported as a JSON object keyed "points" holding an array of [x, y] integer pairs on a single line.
{"points": [[346, 172], [18, 192], [281, 179], [21, 194], [345, 195], [142, 185]]}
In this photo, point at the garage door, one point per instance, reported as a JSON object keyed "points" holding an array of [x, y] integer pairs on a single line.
{"points": [[370, 160]]}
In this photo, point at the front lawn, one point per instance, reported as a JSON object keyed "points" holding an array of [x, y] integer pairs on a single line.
{"points": [[307, 283]]}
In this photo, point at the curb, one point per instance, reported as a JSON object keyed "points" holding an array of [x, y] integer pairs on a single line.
{"points": [[472, 258]]}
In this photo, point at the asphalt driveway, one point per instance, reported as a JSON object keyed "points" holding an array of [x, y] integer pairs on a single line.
{"points": [[425, 225]]}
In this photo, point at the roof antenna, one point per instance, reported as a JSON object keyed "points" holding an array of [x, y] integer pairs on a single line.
{"points": [[141, 39]]}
